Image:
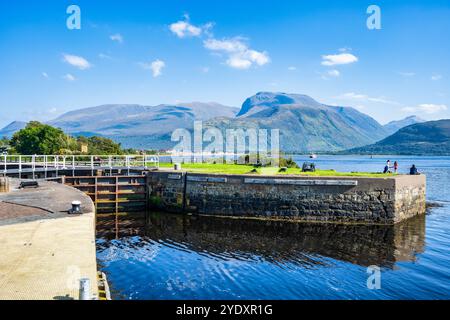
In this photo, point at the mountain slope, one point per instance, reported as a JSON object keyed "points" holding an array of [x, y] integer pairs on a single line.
{"points": [[305, 124], [11, 128], [427, 138], [396, 125], [138, 120]]}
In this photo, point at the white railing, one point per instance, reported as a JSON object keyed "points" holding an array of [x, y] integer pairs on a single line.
{"points": [[18, 164]]}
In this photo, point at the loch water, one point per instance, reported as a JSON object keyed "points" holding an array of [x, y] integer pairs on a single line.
{"points": [[168, 256]]}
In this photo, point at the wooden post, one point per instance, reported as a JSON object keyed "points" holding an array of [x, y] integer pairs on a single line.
{"points": [[4, 184]]}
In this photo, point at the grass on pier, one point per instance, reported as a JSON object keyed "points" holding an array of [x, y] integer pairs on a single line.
{"points": [[247, 169]]}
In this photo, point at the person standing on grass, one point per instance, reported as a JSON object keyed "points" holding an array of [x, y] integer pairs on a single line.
{"points": [[395, 166]]}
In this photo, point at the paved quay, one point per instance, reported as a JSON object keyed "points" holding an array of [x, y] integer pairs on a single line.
{"points": [[45, 251]]}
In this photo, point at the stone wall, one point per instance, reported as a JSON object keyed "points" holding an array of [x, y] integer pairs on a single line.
{"points": [[410, 198], [333, 199]]}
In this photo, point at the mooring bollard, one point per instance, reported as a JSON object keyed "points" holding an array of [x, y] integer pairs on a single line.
{"points": [[85, 289], [76, 207], [177, 166]]}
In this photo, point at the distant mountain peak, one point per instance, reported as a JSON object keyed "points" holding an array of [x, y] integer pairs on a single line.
{"points": [[266, 99], [396, 125], [415, 118]]}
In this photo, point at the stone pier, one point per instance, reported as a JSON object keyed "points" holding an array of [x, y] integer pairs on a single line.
{"points": [[304, 198]]}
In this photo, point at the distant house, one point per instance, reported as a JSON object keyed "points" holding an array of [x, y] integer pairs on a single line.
{"points": [[84, 148]]}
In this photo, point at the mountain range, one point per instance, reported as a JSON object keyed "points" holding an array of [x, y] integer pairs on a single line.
{"points": [[426, 138], [305, 124]]}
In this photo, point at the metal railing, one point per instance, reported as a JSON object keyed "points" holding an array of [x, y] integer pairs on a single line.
{"points": [[18, 164]]}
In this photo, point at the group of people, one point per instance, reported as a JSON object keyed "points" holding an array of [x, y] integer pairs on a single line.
{"points": [[413, 170], [388, 166]]}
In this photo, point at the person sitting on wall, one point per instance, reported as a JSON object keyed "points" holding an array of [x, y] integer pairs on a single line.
{"points": [[413, 170]]}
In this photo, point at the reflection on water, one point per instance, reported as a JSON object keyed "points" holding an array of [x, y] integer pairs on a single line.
{"points": [[275, 241]]}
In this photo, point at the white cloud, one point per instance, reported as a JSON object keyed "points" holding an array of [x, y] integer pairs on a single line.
{"points": [[240, 56], [407, 74], [76, 61], [69, 77], [292, 68], [427, 108], [155, 66], [116, 37], [104, 56], [45, 75], [333, 73], [230, 45], [238, 62], [436, 77], [337, 59], [237, 52], [364, 97], [184, 29], [352, 96]]}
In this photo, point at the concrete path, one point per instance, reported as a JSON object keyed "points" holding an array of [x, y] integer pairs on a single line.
{"points": [[45, 251]]}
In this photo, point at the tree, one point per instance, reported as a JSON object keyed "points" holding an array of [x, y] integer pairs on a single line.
{"points": [[4, 142], [100, 145], [38, 138]]}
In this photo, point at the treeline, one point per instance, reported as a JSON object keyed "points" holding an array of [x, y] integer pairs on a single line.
{"points": [[38, 138]]}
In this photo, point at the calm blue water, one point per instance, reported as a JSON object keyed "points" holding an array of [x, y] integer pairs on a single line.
{"points": [[169, 256]]}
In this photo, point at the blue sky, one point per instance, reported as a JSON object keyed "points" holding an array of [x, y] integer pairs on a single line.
{"points": [[152, 52]]}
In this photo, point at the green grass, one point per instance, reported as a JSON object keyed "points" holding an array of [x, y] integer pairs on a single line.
{"points": [[247, 169]]}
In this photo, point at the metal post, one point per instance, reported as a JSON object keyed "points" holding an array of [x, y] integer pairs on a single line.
{"points": [[20, 167], [73, 166], [33, 165], [85, 289], [92, 165], [6, 165], [56, 164], [45, 165]]}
